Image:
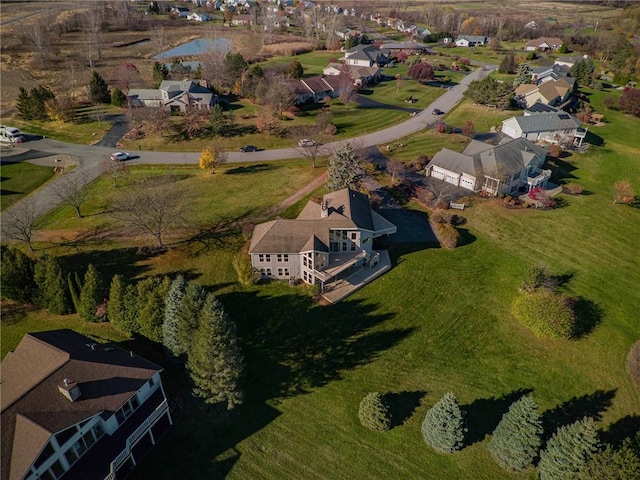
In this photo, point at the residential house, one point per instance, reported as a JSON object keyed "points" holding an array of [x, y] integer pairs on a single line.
{"points": [[174, 96], [554, 72], [553, 92], [242, 20], [315, 89], [325, 243], [361, 75], [76, 409], [511, 166], [364, 56], [471, 41], [539, 107], [554, 128], [544, 44], [532, 25], [409, 47], [570, 60], [179, 11], [199, 17]]}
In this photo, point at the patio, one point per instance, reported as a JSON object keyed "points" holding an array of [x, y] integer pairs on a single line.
{"points": [[343, 287]]}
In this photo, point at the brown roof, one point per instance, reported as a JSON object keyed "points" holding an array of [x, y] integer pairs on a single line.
{"points": [[554, 88], [525, 88], [34, 409], [536, 42]]}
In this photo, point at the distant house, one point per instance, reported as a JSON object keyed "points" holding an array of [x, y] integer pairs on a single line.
{"points": [[540, 75], [180, 11], [511, 166], [324, 244], [532, 25], [361, 75], [364, 56], [199, 17], [76, 409], [242, 20], [553, 92], [555, 128], [471, 41], [543, 44], [174, 96], [570, 60], [409, 47]]}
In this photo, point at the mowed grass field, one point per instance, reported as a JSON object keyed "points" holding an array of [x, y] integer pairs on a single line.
{"points": [[19, 179], [439, 321]]}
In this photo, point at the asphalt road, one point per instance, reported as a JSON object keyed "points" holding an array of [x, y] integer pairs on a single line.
{"points": [[89, 156]]}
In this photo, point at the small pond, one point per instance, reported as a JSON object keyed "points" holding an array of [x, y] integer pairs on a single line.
{"points": [[195, 47]]}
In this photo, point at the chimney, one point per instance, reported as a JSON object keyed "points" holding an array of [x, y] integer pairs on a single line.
{"points": [[325, 209], [69, 389]]}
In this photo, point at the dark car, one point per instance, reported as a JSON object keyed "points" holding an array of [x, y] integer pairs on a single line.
{"points": [[249, 148], [437, 111]]}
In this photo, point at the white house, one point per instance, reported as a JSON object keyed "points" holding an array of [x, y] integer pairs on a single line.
{"points": [[364, 56], [511, 166], [557, 127], [361, 75], [199, 17], [324, 243], [180, 11], [471, 41], [543, 44], [76, 409], [570, 60]]}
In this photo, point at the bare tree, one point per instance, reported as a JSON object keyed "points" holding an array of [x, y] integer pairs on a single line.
{"points": [[72, 191], [93, 25], [280, 94], [18, 223], [397, 169], [348, 90], [37, 35], [310, 145], [151, 208], [110, 167], [195, 121]]}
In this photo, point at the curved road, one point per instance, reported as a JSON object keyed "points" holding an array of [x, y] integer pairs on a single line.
{"points": [[89, 156]]}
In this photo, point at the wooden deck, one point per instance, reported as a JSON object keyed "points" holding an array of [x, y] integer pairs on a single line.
{"points": [[340, 289]]}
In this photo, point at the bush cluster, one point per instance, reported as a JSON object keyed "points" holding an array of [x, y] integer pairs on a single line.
{"points": [[547, 313], [374, 412], [443, 223], [633, 363]]}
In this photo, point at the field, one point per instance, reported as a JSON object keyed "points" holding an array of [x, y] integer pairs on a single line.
{"points": [[20, 179], [439, 321]]}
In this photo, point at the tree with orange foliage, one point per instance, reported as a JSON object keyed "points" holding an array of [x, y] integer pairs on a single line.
{"points": [[623, 192]]}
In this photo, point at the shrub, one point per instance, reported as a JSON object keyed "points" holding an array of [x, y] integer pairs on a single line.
{"points": [[633, 363], [374, 413], [537, 277], [547, 313], [575, 188], [443, 425], [449, 236], [242, 266], [441, 216]]}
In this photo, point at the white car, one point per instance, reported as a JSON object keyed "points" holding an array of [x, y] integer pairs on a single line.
{"points": [[305, 142], [120, 156]]}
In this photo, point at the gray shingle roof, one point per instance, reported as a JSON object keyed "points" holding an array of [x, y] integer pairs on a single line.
{"points": [[547, 122]]}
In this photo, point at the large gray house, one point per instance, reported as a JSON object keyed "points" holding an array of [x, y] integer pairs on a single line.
{"points": [[173, 95], [325, 243]]}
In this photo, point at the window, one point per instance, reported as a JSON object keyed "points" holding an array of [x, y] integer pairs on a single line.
{"points": [[261, 258], [283, 272], [135, 403], [44, 456], [66, 435], [267, 258], [57, 469], [283, 257], [354, 236]]}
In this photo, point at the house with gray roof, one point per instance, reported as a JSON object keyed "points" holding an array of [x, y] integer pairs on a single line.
{"points": [[76, 409], [511, 166], [365, 56], [325, 244], [174, 96], [554, 128], [471, 41]]}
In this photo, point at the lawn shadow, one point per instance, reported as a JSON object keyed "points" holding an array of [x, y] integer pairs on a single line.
{"points": [[594, 139], [588, 314], [12, 312], [127, 262], [560, 169], [292, 344], [590, 405], [259, 167], [403, 404], [466, 237], [484, 414], [622, 429]]}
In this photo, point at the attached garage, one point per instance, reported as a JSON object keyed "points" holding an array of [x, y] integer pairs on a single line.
{"points": [[452, 178], [468, 183], [438, 173]]}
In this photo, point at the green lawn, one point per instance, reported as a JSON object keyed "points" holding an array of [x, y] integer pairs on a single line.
{"points": [[20, 179], [483, 117], [439, 321], [426, 142]]}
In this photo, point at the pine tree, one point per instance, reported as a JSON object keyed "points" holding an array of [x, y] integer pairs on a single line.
{"points": [[17, 275], [151, 294], [118, 98], [160, 73], [569, 450], [342, 171], [443, 426], [90, 295], [122, 306], [215, 362], [24, 104], [53, 292], [219, 122], [517, 438], [622, 463], [172, 306], [374, 412], [98, 89], [523, 75], [189, 317], [295, 70]]}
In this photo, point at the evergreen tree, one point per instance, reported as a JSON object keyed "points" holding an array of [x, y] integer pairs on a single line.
{"points": [[508, 64], [53, 292], [621, 463], [443, 426], [489, 91], [189, 317], [172, 306], [118, 98], [90, 295], [517, 438], [151, 294], [374, 412], [342, 171], [523, 75], [24, 104], [122, 306], [32, 104], [295, 70], [569, 450], [73, 283], [219, 122], [98, 89], [215, 362], [17, 275], [160, 73], [583, 71]]}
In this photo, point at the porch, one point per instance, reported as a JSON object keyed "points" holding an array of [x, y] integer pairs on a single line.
{"points": [[346, 285], [539, 178]]}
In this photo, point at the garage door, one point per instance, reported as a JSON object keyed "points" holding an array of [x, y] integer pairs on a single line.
{"points": [[452, 179], [439, 174], [466, 183]]}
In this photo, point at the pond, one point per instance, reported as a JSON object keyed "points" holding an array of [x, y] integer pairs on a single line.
{"points": [[195, 47]]}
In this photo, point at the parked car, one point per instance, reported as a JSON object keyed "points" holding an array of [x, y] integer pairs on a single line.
{"points": [[249, 148], [437, 111], [305, 142], [11, 134], [120, 156]]}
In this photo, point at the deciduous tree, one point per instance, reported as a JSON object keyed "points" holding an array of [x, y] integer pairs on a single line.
{"points": [[630, 101], [443, 426], [18, 223], [517, 438], [111, 167], [71, 191], [126, 76], [421, 71], [569, 450], [623, 192], [215, 363], [212, 157]]}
